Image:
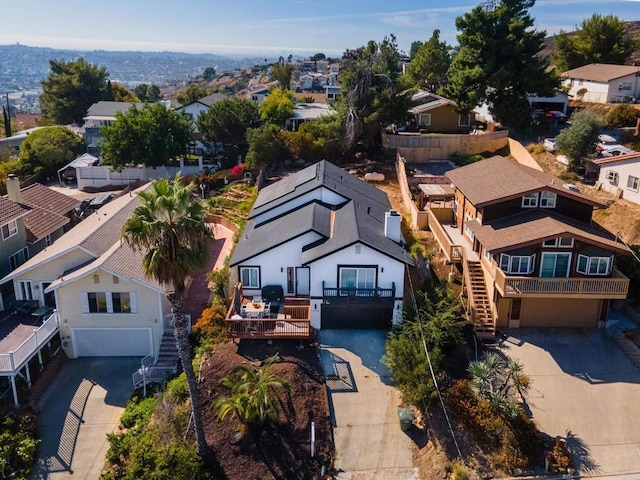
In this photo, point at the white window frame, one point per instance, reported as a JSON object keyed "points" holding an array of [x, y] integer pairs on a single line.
{"points": [[25, 290], [624, 87], [13, 264], [462, 123], [488, 256], [556, 255], [426, 116], [250, 285], [11, 229], [108, 301], [633, 183], [530, 200], [548, 199], [508, 263], [586, 264], [560, 242], [612, 176], [363, 282], [467, 230], [48, 240]]}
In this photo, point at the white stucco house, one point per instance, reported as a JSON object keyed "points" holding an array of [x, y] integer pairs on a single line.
{"points": [[327, 236], [602, 83], [194, 109], [104, 303], [620, 174], [305, 112]]}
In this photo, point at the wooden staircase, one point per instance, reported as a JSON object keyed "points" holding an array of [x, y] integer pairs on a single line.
{"points": [[479, 302]]}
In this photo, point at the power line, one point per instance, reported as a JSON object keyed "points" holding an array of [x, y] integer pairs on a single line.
{"points": [[426, 352]]}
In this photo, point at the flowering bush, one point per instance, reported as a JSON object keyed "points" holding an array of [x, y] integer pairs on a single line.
{"points": [[238, 170]]}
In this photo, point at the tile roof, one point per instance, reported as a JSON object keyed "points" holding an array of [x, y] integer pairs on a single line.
{"points": [[600, 72], [40, 222], [48, 199], [11, 210], [498, 178], [533, 227]]}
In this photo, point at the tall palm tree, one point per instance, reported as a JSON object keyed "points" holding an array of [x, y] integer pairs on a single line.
{"points": [[169, 228]]}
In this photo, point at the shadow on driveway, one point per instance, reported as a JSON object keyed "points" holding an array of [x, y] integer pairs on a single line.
{"points": [[81, 406]]}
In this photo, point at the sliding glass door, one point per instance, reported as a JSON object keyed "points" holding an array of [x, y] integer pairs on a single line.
{"points": [[555, 264]]}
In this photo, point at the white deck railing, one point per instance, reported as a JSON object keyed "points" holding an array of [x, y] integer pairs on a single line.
{"points": [[12, 362]]}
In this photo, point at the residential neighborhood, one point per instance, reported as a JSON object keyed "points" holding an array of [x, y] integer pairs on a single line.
{"points": [[416, 258]]}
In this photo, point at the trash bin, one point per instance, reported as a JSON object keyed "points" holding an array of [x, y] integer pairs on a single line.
{"points": [[405, 415]]}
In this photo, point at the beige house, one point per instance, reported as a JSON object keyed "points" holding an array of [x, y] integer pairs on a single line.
{"points": [[530, 255], [603, 83], [104, 303]]}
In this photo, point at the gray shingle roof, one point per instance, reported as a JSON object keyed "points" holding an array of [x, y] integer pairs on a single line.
{"points": [[533, 227], [211, 99], [108, 109], [498, 178]]}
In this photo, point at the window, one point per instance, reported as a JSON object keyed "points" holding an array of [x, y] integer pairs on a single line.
{"points": [[121, 302], [24, 290], [555, 264], [520, 264], [48, 240], [9, 229], [548, 199], [97, 302], [19, 258], [357, 278], [109, 302], [464, 120], [633, 183], [487, 256], [289, 279], [250, 277], [530, 200], [96, 279], [624, 86], [594, 265], [612, 176], [115, 279], [424, 119], [562, 242], [467, 230]]}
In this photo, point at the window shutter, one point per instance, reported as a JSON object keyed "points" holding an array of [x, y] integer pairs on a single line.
{"points": [[134, 304], [85, 302]]}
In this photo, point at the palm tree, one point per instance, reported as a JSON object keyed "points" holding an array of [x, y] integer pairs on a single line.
{"points": [[254, 400], [169, 228]]}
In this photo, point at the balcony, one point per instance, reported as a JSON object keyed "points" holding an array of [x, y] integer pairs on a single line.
{"points": [[453, 251], [360, 295], [614, 287], [292, 320]]}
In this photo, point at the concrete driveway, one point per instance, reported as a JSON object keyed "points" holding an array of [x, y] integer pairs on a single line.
{"points": [[586, 390], [364, 407], [81, 406]]}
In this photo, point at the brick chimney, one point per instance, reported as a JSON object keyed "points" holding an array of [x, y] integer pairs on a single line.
{"points": [[392, 220], [13, 188]]}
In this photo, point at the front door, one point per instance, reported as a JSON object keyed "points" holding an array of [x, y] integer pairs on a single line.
{"points": [[302, 281]]}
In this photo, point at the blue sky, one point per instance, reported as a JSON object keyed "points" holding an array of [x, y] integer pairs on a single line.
{"points": [[260, 27]]}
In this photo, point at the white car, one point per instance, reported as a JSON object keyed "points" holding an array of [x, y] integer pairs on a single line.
{"points": [[605, 142], [549, 144], [615, 150]]}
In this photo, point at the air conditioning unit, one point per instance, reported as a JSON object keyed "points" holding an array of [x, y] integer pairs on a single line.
{"points": [[612, 176]]}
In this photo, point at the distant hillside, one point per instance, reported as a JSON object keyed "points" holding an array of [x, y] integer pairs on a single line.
{"points": [[23, 68], [633, 30]]}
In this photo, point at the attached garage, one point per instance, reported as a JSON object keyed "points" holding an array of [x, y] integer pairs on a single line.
{"points": [[111, 342], [356, 316], [557, 312]]}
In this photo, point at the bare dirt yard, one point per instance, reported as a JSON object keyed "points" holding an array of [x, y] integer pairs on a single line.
{"points": [[283, 450]]}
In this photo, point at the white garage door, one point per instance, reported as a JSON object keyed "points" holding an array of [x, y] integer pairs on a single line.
{"points": [[111, 342]]}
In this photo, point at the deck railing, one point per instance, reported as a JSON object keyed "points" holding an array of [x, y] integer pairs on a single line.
{"points": [[615, 287], [12, 362], [359, 292], [292, 321], [452, 252]]}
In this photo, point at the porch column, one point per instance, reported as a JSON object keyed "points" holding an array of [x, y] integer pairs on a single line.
{"points": [[15, 392]]}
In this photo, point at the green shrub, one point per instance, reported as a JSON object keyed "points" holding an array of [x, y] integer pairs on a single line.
{"points": [[137, 412], [177, 389], [461, 159], [623, 115], [18, 446]]}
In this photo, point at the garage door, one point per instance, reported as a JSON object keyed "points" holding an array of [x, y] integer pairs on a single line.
{"points": [[111, 342], [356, 316]]}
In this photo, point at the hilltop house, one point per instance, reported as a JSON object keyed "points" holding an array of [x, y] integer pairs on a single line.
{"points": [[603, 83], [434, 113], [331, 244], [30, 219], [105, 305], [194, 109], [99, 114], [619, 175], [531, 256]]}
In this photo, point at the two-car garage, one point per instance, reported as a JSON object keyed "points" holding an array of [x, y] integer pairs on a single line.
{"points": [[356, 316], [111, 342]]}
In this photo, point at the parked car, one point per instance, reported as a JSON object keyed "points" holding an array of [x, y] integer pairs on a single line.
{"points": [[616, 150], [101, 200], [556, 115], [605, 142], [550, 144]]}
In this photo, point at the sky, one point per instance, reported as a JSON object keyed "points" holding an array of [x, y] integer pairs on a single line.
{"points": [[248, 27]]}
